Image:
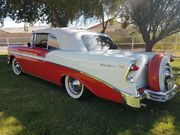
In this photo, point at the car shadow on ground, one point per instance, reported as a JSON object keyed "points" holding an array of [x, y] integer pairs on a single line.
{"points": [[29, 105]]}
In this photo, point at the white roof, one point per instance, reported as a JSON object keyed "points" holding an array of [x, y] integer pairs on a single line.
{"points": [[68, 38]]}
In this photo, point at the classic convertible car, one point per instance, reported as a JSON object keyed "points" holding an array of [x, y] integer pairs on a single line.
{"points": [[84, 61]]}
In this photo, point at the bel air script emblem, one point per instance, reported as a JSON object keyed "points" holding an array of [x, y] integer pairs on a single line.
{"points": [[121, 66], [111, 66]]}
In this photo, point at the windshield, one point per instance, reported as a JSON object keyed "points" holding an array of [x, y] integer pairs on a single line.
{"points": [[98, 42]]}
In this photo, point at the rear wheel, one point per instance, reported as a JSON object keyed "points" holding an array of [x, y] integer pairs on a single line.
{"points": [[160, 76], [16, 67], [75, 88]]}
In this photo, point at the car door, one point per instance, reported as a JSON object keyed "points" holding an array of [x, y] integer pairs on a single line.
{"points": [[34, 56], [34, 60], [49, 70]]}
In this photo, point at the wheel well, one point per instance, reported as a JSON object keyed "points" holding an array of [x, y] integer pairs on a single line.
{"points": [[63, 81], [11, 59]]}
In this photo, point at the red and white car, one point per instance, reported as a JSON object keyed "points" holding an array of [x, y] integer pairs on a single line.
{"points": [[85, 61]]}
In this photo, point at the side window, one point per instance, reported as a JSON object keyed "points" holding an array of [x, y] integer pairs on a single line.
{"points": [[33, 39], [40, 40], [52, 42]]}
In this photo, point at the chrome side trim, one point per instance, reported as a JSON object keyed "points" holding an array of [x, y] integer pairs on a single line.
{"points": [[29, 56]]}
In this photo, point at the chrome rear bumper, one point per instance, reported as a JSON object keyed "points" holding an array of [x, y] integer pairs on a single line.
{"points": [[161, 96], [135, 101]]}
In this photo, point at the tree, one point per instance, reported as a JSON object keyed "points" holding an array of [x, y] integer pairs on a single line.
{"points": [[109, 9], [2, 13], [56, 12], [156, 19], [105, 10], [22, 10], [61, 12]]}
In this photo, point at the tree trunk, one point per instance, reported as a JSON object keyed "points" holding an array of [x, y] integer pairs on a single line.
{"points": [[63, 23], [149, 42], [103, 30], [58, 21], [104, 26], [149, 47]]}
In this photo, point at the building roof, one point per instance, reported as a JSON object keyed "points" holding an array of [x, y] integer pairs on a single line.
{"points": [[22, 29], [111, 26], [59, 30], [2, 31]]}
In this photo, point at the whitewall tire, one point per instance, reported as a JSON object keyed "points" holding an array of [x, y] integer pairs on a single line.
{"points": [[166, 77], [75, 88], [16, 67]]}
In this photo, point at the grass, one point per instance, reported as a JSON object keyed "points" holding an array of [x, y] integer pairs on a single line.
{"points": [[176, 68], [30, 106]]}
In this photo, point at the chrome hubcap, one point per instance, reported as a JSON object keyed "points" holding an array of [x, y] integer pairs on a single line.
{"points": [[17, 67], [168, 78], [75, 86]]}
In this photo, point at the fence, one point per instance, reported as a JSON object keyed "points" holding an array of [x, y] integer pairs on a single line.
{"points": [[168, 45], [14, 41], [135, 43]]}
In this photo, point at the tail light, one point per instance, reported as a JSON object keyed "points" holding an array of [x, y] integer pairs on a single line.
{"points": [[134, 68], [130, 75]]}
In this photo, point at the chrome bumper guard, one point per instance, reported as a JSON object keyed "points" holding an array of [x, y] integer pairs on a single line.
{"points": [[161, 96], [149, 94], [133, 101]]}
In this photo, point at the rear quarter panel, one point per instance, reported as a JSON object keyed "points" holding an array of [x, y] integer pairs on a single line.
{"points": [[109, 70]]}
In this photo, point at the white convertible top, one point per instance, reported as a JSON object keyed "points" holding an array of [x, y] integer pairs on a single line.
{"points": [[69, 39]]}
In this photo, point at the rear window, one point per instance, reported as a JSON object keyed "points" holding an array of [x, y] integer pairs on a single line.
{"points": [[98, 42]]}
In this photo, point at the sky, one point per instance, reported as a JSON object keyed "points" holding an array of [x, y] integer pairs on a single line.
{"points": [[8, 23]]}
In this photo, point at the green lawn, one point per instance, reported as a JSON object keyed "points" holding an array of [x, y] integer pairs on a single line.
{"points": [[30, 106], [176, 68]]}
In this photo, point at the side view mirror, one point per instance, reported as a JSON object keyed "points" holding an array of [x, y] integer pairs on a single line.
{"points": [[29, 44]]}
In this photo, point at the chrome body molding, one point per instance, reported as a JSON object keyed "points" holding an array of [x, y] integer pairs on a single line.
{"points": [[27, 55]]}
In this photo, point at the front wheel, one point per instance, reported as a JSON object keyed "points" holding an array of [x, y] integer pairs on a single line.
{"points": [[16, 67], [75, 88]]}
